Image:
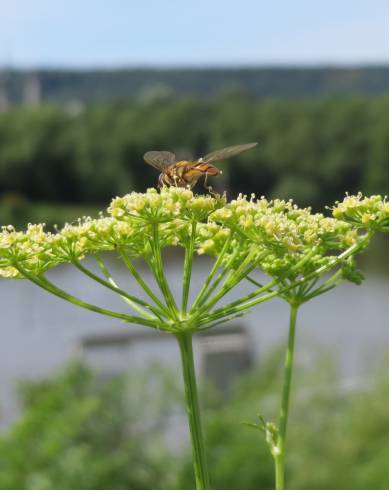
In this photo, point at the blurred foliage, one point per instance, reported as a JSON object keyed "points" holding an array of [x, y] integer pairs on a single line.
{"points": [[79, 431], [18, 211], [337, 438], [310, 150]]}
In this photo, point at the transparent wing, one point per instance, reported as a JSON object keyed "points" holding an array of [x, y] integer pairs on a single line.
{"points": [[228, 152], [159, 159]]}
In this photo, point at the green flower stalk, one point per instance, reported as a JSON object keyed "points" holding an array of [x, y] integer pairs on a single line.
{"points": [[292, 247], [296, 294]]}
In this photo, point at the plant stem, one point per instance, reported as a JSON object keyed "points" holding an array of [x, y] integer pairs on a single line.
{"points": [[193, 411], [188, 263], [132, 301], [139, 279], [280, 472], [211, 275], [244, 303], [234, 276], [279, 455], [159, 272], [44, 283]]}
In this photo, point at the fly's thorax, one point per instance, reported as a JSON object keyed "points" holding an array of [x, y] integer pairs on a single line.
{"points": [[178, 168]]}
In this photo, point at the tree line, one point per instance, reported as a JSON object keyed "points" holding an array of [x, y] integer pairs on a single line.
{"points": [[277, 81], [310, 150]]}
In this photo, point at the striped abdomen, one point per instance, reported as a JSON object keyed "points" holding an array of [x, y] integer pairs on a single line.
{"points": [[184, 173]]}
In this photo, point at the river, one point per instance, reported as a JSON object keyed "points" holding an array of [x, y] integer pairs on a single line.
{"points": [[39, 332]]}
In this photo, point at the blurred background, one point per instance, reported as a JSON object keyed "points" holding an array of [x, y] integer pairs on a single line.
{"points": [[86, 88]]}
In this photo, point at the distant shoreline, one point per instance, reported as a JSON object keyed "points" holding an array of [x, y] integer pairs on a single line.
{"points": [[65, 85]]}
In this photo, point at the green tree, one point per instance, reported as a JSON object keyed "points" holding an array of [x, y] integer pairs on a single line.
{"points": [[311, 150]]}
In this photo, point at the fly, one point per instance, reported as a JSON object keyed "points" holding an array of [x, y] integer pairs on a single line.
{"points": [[186, 173]]}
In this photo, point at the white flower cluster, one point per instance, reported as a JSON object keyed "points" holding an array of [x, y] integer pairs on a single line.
{"points": [[364, 212], [276, 235]]}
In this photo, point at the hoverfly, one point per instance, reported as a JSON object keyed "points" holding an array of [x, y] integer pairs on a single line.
{"points": [[186, 173]]}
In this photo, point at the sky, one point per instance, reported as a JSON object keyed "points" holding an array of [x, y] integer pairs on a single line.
{"points": [[114, 33]]}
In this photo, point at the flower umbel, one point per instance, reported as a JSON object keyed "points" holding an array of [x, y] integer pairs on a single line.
{"points": [[292, 247], [364, 212]]}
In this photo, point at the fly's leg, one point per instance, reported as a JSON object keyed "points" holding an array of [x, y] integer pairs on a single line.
{"points": [[161, 182], [165, 180], [206, 186]]}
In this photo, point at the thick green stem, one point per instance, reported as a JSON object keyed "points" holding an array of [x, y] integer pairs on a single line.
{"points": [[280, 472], [279, 454], [193, 411]]}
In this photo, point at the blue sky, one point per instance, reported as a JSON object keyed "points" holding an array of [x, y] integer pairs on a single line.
{"points": [[85, 33]]}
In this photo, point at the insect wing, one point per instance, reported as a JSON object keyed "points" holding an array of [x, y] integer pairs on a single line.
{"points": [[159, 159], [228, 152]]}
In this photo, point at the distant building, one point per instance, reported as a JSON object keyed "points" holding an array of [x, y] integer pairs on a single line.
{"points": [[4, 100], [32, 90]]}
